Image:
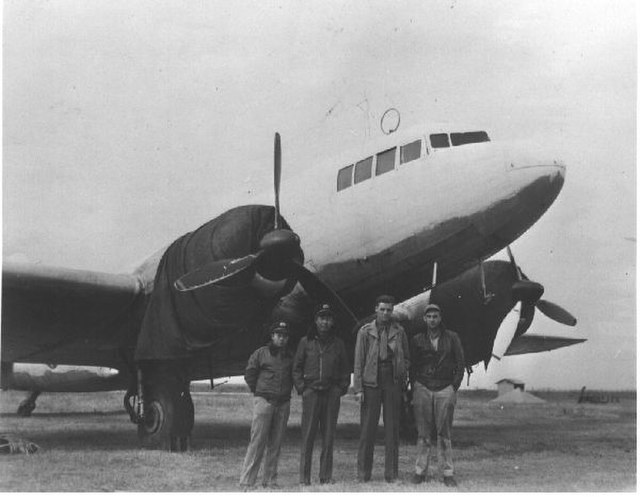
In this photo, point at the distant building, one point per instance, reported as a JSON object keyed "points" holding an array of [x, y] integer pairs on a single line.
{"points": [[509, 384], [511, 390]]}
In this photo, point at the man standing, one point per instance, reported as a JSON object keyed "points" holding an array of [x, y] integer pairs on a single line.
{"points": [[437, 362], [268, 375], [381, 366], [321, 374]]}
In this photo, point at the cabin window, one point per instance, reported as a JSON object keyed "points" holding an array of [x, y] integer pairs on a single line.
{"points": [[459, 138], [439, 140], [344, 177], [363, 170], [410, 152], [385, 161]]}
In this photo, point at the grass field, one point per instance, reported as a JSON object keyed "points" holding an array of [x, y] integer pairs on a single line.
{"points": [[88, 444]]}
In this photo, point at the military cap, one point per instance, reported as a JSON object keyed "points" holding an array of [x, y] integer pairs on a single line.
{"points": [[432, 307], [279, 327], [324, 310]]}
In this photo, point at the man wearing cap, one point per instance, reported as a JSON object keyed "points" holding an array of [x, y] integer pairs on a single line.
{"points": [[381, 367], [268, 375], [321, 375], [437, 369]]}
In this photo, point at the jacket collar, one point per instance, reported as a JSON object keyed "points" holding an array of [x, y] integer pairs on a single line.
{"points": [[372, 329]]}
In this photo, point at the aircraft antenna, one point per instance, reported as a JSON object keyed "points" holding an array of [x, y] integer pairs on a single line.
{"points": [[390, 121]]}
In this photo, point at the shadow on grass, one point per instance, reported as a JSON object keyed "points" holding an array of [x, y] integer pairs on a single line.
{"points": [[78, 414]]}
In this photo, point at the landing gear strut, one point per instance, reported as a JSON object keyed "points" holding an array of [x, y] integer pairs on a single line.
{"points": [[26, 407]]}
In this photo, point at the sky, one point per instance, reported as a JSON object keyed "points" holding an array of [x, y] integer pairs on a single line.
{"points": [[126, 124]]}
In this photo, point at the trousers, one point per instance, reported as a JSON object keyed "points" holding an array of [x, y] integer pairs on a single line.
{"points": [[267, 431], [388, 394], [319, 409], [434, 416]]}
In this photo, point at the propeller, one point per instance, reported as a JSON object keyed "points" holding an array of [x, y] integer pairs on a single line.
{"points": [[530, 293], [279, 257]]}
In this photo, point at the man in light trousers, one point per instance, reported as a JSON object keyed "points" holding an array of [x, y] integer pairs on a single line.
{"points": [[437, 369], [268, 375]]}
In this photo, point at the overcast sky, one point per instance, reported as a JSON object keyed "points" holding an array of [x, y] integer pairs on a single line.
{"points": [[126, 122]]}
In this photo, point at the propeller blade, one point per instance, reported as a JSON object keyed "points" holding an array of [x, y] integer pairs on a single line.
{"points": [[506, 331], [214, 273], [277, 169], [532, 342], [513, 263], [317, 289], [556, 313]]}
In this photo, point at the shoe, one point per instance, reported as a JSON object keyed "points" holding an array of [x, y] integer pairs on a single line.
{"points": [[271, 486], [327, 481], [391, 480], [450, 482], [305, 483], [417, 478], [247, 487]]}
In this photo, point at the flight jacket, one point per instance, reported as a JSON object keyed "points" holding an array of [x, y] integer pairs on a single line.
{"points": [[365, 365], [320, 365], [436, 369], [268, 373]]}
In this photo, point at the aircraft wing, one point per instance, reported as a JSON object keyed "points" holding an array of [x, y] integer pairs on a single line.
{"points": [[530, 343], [64, 316]]}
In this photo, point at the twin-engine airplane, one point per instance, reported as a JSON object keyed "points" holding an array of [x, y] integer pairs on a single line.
{"points": [[414, 215]]}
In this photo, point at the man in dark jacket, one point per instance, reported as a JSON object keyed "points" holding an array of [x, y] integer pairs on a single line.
{"points": [[268, 376], [321, 374], [437, 368], [380, 369]]}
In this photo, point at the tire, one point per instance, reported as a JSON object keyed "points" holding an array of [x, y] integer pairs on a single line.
{"points": [[160, 415], [169, 418]]}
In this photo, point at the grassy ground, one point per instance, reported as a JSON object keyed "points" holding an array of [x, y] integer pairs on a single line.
{"points": [[88, 444]]}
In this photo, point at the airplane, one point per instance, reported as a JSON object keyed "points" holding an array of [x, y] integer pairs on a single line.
{"points": [[413, 213]]}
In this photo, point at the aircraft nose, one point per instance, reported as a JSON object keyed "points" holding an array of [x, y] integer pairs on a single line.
{"points": [[534, 169], [533, 181]]}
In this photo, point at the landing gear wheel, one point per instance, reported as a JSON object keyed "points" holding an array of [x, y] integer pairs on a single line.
{"points": [[155, 431], [168, 420]]}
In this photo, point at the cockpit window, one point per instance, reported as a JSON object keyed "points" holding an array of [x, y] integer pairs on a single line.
{"points": [[460, 138], [410, 152], [439, 140], [385, 161], [344, 177], [363, 170]]}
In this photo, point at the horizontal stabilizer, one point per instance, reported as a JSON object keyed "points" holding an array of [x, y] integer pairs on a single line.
{"points": [[530, 343]]}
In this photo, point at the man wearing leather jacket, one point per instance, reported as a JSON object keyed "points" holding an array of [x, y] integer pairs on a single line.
{"points": [[321, 375], [437, 369]]}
